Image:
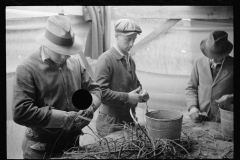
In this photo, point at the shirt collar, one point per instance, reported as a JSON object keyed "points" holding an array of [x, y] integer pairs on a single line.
{"points": [[44, 55], [122, 55], [213, 65]]}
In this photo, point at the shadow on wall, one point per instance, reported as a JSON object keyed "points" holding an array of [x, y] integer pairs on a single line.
{"points": [[165, 91]]}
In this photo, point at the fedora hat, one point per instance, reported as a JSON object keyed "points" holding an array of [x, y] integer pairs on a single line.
{"points": [[216, 46], [127, 27], [58, 36]]}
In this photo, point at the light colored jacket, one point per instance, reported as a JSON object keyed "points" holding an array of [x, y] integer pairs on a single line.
{"points": [[202, 91]]}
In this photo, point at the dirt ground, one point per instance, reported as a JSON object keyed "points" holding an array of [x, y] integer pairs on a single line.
{"points": [[207, 141], [210, 142]]}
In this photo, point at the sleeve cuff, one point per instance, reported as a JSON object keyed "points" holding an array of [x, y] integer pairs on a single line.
{"points": [[125, 99], [96, 100], [58, 119]]}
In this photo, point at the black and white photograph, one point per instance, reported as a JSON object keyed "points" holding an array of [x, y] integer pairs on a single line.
{"points": [[119, 82]]}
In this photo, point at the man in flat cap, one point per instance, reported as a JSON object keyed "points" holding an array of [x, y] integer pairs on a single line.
{"points": [[44, 85], [116, 74], [211, 82]]}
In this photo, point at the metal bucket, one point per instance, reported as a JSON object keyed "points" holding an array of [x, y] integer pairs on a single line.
{"points": [[226, 116], [164, 124]]}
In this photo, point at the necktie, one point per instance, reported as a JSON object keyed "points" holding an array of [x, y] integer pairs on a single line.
{"points": [[215, 70], [128, 64]]}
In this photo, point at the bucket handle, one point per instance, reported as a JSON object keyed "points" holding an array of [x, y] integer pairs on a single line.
{"points": [[147, 108]]}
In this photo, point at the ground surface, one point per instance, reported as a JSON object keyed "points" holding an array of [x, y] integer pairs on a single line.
{"points": [[207, 142], [211, 143]]}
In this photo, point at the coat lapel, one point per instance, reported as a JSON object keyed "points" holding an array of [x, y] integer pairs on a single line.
{"points": [[223, 72], [207, 70]]}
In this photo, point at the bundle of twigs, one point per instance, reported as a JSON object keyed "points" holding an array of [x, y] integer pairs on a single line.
{"points": [[134, 145]]}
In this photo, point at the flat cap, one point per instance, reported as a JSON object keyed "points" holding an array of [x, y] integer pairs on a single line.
{"points": [[127, 26]]}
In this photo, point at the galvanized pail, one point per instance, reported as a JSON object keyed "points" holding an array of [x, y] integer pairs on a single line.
{"points": [[226, 116], [164, 124]]}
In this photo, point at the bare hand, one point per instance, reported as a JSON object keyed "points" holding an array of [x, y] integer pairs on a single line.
{"points": [[225, 100], [144, 95], [134, 97], [194, 113]]}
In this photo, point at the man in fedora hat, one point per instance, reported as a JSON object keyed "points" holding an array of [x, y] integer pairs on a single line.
{"points": [[43, 88], [116, 75], [211, 81]]}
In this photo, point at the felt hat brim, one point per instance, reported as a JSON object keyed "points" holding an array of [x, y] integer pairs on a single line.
{"points": [[65, 50], [215, 55]]}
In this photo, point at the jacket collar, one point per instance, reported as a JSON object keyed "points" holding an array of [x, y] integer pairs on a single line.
{"points": [[223, 72], [207, 69], [123, 56], [116, 53], [44, 56]]}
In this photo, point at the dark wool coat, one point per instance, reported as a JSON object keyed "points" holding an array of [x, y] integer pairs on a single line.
{"points": [[115, 81]]}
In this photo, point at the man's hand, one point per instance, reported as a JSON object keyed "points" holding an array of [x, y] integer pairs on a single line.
{"points": [[134, 97], [87, 113], [144, 95], [196, 115], [225, 100]]}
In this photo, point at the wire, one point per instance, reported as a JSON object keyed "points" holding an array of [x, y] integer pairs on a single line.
{"points": [[147, 107], [138, 124], [61, 134]]}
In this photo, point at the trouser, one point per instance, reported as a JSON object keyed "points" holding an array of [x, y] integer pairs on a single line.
{"points": [[107, 124], [49, 150]]}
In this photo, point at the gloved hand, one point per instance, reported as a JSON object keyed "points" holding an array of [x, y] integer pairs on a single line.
{"points": [[144, 95], [88, 113], [134, 97], [70, 121]]}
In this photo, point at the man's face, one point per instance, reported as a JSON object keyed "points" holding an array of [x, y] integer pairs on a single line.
{"points": [[125, 42], [56, 57]]}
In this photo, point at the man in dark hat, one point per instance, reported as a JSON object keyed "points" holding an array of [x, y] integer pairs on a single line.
{"points": [[211, 82], [116, 74], [44, 85]]}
